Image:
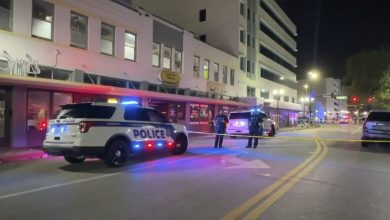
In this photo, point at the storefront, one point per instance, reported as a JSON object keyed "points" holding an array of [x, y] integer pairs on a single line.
{"points": [[26, 106]]}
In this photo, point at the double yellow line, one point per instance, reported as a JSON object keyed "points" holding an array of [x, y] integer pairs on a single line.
{"points": [[259, 203]]}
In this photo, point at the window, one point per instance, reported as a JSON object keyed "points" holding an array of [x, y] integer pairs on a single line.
{"points": [[78, 30], [156, 54], [206, 69], [135, 114], [248, 66], [167, 58], [242, 36], [232, 77], [292, 99], [248, 14], [264, 94], [224, 74], [242, 63], [107, 41], [60, 99], [248, 40], [242, 9], [86, 110], [37, 109], [42, 19], [50, 73], [6, 15], [251, 92], [202, 38], [216, 72], [178, 61], [130, 46], [155, 116], [196, 66], [109, 81], [202, 15], [286, 98]]}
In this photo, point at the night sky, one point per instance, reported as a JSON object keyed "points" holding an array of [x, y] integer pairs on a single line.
{"points": [[346, 27]]}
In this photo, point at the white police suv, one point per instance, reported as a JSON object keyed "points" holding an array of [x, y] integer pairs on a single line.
{"points": [[111, 132]]}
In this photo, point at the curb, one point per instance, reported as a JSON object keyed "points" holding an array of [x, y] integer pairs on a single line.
{"points": [[19, 156]]}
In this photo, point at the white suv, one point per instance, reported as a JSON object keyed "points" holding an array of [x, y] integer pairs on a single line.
{"points": [[111, 132], [239, 123]]}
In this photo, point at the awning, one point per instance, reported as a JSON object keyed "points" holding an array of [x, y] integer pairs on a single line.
{"points": [[51, 84]]}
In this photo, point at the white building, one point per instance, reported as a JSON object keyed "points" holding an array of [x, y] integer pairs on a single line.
{"points": [[327, 105], [257, 32], [64, 51]]}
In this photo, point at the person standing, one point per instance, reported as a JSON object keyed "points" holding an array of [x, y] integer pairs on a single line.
{"points": [[255, 129], [220, 122]]}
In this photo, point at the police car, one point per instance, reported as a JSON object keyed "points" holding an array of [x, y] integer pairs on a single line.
{"points": [[111, 132]]}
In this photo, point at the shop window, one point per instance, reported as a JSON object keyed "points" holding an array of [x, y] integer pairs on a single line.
{"points": [[130, 46], [232, 77], [37, 109], [108, 81], [178, 61], [203, 114], [216, 72], [107, 40], [224, 74], [167, 58], [6, 9], [42, 19], [194, 113], [50, 73], [206, 67], [196, 66], [58, 100], [156, 54], [78, 30]]}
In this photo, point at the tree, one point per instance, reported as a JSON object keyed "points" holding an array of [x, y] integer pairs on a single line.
{"points": [[364, 70], [382, 95]]}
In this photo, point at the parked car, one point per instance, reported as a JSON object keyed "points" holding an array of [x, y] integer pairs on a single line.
{"points": [[239, 123], [376, 127]]}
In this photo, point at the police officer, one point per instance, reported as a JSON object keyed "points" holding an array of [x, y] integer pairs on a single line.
{"points": [[255, 128], [220, 122]]}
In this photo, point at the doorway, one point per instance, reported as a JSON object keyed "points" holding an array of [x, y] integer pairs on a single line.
{"points": [[5, 117]]}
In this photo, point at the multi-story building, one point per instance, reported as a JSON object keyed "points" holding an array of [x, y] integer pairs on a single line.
{"points": [[257, 32], [329, 98], [66, 51]]}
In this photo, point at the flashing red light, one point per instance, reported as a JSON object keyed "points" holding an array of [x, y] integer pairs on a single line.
{"points": [[170, 144], [149, 145], [370, 100], [355, 99], [42, 125]]}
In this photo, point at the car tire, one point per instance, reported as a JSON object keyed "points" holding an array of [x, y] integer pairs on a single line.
{"points": [[272, 132], [364, 144], [74, 159], [180, 145], [116, 154]]}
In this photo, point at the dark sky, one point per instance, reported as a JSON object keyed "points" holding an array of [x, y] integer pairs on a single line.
{"points": [[346, 27]]}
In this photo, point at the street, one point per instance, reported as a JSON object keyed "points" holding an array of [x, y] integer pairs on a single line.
{"points": [[297, 175]]}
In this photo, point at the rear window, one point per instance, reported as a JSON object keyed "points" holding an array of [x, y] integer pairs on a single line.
{"points": [[85, 111], [240, 115], [379, 116]]}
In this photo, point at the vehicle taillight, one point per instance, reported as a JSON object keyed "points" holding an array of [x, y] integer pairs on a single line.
{"points": [[85, 125], [42, 125]]}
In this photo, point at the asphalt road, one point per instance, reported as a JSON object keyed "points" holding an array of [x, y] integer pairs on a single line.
{"points": [[301, 175]]}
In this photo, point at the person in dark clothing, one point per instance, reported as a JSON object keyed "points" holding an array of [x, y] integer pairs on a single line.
{"points": [[255, 129], [220, 122]]}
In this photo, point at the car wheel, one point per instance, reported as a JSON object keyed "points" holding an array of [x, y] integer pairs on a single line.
{"points": [[116, 154], [364, 144], [180, 145], [74, 159]]}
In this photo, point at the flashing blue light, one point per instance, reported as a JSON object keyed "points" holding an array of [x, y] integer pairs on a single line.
{"points": [[160, 144], [130, 102], [137, 146]]}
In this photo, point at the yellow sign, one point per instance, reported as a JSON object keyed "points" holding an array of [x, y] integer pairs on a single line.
{"points": [[170, 77]]}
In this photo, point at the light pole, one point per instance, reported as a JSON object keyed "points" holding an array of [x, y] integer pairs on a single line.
{"points": [[313, 75], [277, 95]]}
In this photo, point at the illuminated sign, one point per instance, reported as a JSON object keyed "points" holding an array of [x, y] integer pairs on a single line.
{"points": [[18, 67], [170, 77], [341, 97]]}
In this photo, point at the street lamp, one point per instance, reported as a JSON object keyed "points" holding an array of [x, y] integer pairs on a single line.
{"points": [[313, 75], [277, 95]]}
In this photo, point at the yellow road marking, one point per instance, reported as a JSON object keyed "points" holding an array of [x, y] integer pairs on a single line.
{"points": [[235, 213], [259, 210]]}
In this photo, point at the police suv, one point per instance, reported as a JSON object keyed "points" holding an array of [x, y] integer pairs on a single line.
{"points": [[111, 132]]}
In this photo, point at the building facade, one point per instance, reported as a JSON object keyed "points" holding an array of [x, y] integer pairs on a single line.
{"points": [[61, 51], [257, 32], [329, 99]]}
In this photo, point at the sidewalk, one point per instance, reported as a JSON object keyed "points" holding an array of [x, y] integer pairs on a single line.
{"points": [[8, 155]]}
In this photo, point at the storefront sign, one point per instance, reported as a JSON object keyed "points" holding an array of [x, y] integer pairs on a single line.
{"points": [[170, 78], [18, 67], [215, 87]]}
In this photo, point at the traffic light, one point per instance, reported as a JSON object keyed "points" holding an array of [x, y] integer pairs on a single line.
{"points": [[370, 100], [355, 99]]}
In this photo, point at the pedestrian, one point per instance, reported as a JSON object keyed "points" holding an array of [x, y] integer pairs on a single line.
{"points": [[220, 122], [255, 129]]}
